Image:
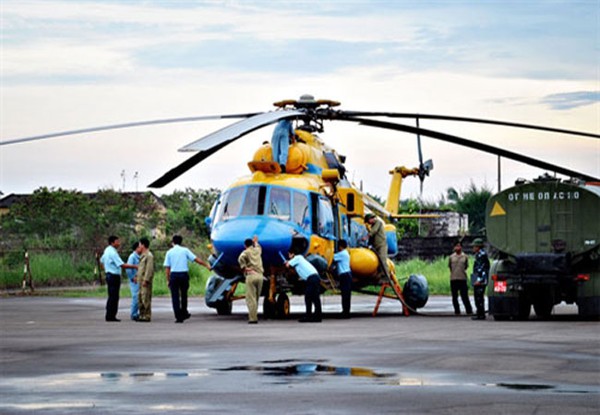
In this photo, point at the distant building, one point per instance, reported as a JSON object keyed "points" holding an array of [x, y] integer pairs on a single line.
{"points": [[447, 224]]}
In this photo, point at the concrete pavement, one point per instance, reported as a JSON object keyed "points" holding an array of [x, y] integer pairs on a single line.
{"points": [[58, 356]]}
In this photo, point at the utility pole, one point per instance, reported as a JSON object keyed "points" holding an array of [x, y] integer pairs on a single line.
{"points": [[123, 177], [499, 175], [135, 177]]}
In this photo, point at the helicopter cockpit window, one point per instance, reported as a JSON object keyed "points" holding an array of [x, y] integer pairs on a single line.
{"points": [[301, 211], [279, 203], [325, 217], [254, 201], [230, 204]]}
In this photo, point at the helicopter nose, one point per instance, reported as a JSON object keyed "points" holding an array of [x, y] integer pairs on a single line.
{"points": [[273, 236]]}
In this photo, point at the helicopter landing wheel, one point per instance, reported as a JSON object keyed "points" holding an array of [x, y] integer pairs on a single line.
{"points": [[269, 308], [224, 308], [283, 306]]}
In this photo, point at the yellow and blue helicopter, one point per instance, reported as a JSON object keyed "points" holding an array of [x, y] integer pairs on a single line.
{"points": [[298, 196]]}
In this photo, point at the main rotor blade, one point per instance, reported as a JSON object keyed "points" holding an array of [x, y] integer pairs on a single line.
{"points": [[473, 144], [175, 172], [466, 119], [240, 128], [125, 125], [210, 144]]}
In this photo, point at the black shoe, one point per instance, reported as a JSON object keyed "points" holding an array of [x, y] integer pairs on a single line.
{"points": [[178, 321], [305, 320], [253, 322], [344, 316], [186, 316], [478, 318], [113, 319], [142, 320], [457, 313]]}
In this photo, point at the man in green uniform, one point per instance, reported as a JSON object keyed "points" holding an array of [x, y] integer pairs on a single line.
{"points": [[378, 242], [145, 276], [250, 261]]}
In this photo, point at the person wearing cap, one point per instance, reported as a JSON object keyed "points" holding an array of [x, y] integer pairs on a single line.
{"points": [[378, 242], [479, 277], [145, 279]]}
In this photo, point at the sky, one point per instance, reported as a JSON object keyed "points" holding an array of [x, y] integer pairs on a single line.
{"points": [[67, 65]]}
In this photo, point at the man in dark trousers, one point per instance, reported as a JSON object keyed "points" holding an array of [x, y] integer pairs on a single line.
{"points": [[342, 261], [458, 263], [113, 264], [307, 272], [178, 277], [479, 278]]}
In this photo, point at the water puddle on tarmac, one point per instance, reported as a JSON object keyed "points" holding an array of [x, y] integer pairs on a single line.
{"points": [[293, 369]]}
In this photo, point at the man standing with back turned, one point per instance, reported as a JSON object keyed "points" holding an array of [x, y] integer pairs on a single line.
{"points": [[250, 261], [178, 277]]}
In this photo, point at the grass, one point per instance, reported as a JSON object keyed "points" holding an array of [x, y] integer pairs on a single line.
{"points": [[67, 270]]}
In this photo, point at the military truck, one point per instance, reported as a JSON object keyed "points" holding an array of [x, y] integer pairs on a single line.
{"points": [[547, 237]]}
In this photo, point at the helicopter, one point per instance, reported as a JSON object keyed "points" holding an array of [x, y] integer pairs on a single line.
{"points": [[304, 201]]}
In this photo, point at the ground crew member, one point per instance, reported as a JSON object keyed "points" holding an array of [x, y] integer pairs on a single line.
{"points": [[250, 261], [378, 242], [458, 263], [178, 277], [280, 142], [145, 277], [134, 287], [344, 274], [113, 264], [479, 278], [308, 273]]}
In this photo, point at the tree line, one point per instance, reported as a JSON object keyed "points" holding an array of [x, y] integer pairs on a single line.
{"points": [[69, 219]]}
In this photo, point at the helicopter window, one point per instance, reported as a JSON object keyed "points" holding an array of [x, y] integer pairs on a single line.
{"points": [[231, 203], [254, 203], [279, 203], [301, 211], [325, 217]]}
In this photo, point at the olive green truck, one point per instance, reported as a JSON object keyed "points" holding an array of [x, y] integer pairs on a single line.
{"points": [[547, 237]]}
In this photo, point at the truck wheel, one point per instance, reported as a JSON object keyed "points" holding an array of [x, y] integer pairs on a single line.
{"points": [[224, 308], [543, 308], [523, 309], [283, 306]]}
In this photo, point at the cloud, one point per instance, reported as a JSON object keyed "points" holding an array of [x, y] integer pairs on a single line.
{"points": [[50, 39], [570, 100]]}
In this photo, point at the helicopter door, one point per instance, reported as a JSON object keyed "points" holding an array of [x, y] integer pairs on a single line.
{"points": [[325, 222]]}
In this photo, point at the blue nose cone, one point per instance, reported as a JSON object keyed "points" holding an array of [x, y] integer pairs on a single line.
{"points": [[274, 236]]}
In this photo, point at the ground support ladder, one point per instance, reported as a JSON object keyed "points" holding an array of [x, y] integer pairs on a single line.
{"points": [[393, 284]]}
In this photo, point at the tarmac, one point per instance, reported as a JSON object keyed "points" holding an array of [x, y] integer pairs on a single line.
{"points": [[59, 356]]}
